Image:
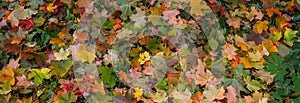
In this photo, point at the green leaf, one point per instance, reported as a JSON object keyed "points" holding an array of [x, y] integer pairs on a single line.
{"points": [[172, 32], [6, 88], [235, 83], [277, 36], [69, 97], [213, 44], [107, 77], [108, 25], [162, 85], [288, 35], [253, 85], [60, 68], [153, 43], [154, 19], [39, 75], [126, 11], [34, 4]]}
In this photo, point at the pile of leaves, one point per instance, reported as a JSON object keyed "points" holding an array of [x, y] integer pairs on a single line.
{"points": [[149, 51]]}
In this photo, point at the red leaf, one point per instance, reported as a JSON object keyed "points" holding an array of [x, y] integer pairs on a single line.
{"points": [[26, 24]]}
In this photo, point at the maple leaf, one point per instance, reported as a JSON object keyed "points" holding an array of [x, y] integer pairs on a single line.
{"points": [[138, 18], [13, 63], [229, 51], [246, 62], [61, 55], [271, 11], [154, 19], [16, 40], [268, 44], [81, 36], [60, 68], [57, 41], [23, 82], [283, 22], [122, 75], [26, 24], [3, 23], [181, 96], [277, 36], [254, 12], [265, 76], [143, 57], [235, 22], [231, 94], [255, 56], [288, 35], [84, 56], [138, 93], [39, 75], [260, 26], [7, 74], [170, 15], [134, 73], [197, 7], [213, 93], [20, 13]]}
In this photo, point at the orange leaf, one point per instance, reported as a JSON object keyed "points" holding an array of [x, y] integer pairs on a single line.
{"points": [[16, 40], [271, 11], [246, 62], [122, 75], [283, 22], [81, 36], [261, 26], [235, 22]]}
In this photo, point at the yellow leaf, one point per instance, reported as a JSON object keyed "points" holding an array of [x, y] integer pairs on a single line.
{"points": [[51, 7], [144, 57], [255, 56], [7, 74], [197, 7], [138, 93], [61, 55], [57, 41], [268, 44], [84, 56], [261, 26]]}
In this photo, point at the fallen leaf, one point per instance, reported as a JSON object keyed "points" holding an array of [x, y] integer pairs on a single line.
{"points": [[7, 74], [138, 93], [13, 63], [62, 54], [229, 51], [214, 93], [235, 22], [231, 94], [261, 26], [23, 82], [288, 35], [81, 36], [271, 11]]}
